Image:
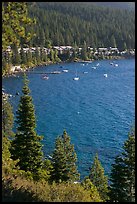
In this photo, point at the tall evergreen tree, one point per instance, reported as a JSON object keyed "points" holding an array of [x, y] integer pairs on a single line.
{"points": [[84, 51], [122, 188], [7, 133], [98, 178], [29, 57], [113, 41], [37, 55], [23, 56], [16, 56], [52, 55], [26, 146], [64, 160]]}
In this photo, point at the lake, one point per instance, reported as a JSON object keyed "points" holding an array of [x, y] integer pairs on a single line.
{"points": [[96, 111]]}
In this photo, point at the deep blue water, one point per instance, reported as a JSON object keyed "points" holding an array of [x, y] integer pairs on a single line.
{"points": [[97, 112]]}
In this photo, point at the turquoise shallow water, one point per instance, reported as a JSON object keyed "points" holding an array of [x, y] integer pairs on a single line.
{"points": [[97, 112]]}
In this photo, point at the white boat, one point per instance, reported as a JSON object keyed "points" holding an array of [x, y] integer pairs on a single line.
{"points": [[94, 67], [116, 65], [65, 70], [55, 72], [85, 72], [45, 77], [105, 75], [76, 78], [97, 64]]}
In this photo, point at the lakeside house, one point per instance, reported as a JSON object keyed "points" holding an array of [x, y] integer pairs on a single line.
{"points": [[16, 68], [64, 49]]}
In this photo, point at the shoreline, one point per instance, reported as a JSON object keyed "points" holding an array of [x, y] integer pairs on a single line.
{"points": [[27, 69]]}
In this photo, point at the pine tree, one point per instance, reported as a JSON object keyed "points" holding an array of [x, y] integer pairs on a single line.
{"points": [[14, 22], [113, 41], [7, 118], [42, 38], [122, 188], [64, 160], [88, 185], [7, 133], [84, 51], [124, 46], [26, 146], [98, 178], [23, 56], [16, 56], [52, 55], [37, 55], [29, 58]]}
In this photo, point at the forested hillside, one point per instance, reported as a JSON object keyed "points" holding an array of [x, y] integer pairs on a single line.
{"points": [[72, 23]]}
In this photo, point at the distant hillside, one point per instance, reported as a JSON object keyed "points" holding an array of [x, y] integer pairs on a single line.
{"points": [[73, 23]]}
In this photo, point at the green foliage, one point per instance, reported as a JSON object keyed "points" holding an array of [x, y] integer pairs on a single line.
{"points": [[20, 189], [16, 59], [23, 56], [52, 55], [67, 24], [98, 178], [14, 22], [122, 188], [29, 58], [7, 163], [94, 194], [84, 52], [37, 55], [26, 146], [64, 160], [7, 118], [44, 173]]}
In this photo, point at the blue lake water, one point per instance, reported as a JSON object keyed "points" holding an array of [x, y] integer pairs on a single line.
{"points": [[96, 111]]}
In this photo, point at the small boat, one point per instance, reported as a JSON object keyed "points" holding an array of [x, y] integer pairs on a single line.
{"points": [[56, 72], [45, 77], [116, 65], [76, 78], [97, 64], [105, 75], [65, 70], [94, 67], [85, 72], [111, 63]]}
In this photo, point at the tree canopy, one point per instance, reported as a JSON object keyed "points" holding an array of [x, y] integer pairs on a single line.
{"points": [[26, 146], [69, 23], [122, 188], [99, 179], [64, 160], [14, 22]]}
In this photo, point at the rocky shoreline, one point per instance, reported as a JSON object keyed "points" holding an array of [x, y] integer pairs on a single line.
{"points": [[16, 72]]}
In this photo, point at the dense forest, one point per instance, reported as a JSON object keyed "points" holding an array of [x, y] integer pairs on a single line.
{"points": [[48, 24], [68, 23]]}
